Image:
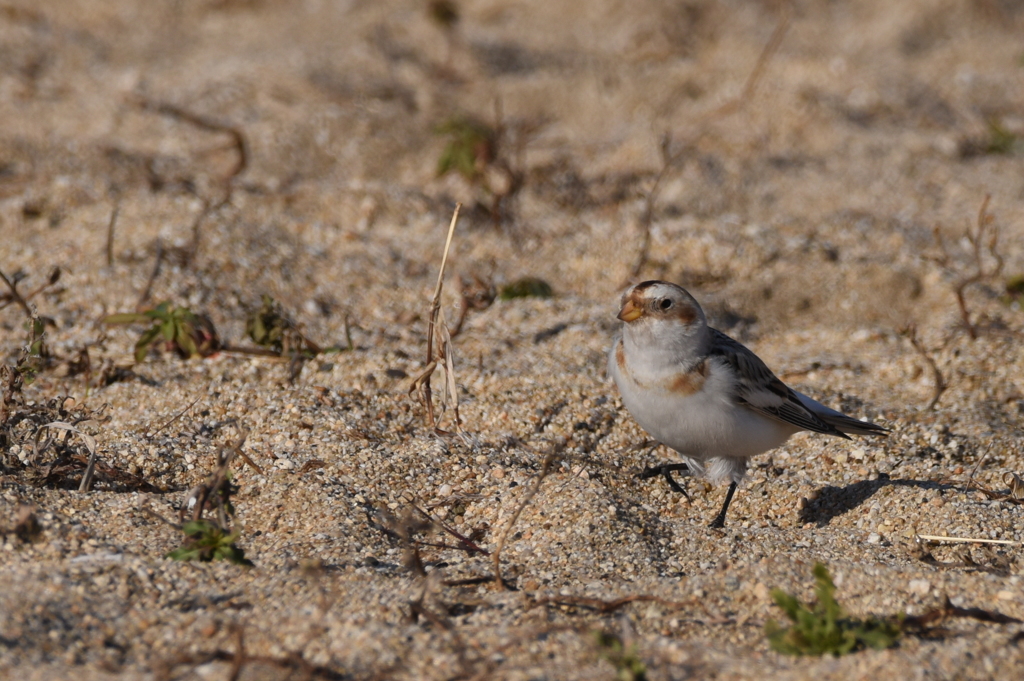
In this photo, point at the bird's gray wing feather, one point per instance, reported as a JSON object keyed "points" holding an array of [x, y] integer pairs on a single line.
{"points": [[759, 389]]}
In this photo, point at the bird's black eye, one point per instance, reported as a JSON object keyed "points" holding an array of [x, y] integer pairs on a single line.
{"points": [[665, 304]]}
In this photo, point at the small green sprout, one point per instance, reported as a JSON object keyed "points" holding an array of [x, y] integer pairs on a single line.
{"points": [[35, 344], [825, 628], [206, 541], [1000, 140], [269, 328], [627, 662], [527, 287], [35, 353], [182, 330], [1014, 288], [470, 149]]}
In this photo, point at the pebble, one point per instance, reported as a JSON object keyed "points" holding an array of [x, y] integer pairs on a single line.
{"points": [[919, 587]]}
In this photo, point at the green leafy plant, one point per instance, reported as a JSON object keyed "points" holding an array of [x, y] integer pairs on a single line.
{"points": [[470, 148], [527, 287], [270, 328], [182, 331], [627, 663], [1000, 140], [206, 541], [825, 628], [35, 342], [34, 354], [997, 139], [1014, 288]]}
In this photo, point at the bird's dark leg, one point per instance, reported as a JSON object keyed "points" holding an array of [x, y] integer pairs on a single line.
{"points": [[665, 470], [719, 521]]}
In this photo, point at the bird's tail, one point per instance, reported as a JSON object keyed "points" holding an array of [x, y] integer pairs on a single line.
{"points": [[840, 421]]}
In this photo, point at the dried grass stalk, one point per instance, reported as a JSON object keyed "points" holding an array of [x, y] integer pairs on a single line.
{"points": [[439, 349], [968, 540]]}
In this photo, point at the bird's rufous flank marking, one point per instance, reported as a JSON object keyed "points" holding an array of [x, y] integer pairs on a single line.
{"points": [[688, 382]]}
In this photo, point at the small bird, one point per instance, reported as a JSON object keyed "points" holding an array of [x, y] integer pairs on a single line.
{"points": [[705, 395]]}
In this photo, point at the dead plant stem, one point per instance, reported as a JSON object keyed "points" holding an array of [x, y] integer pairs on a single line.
{"points": [[544, 470]]}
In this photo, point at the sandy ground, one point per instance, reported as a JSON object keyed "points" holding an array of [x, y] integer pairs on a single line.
{"points": [[815, 215]]}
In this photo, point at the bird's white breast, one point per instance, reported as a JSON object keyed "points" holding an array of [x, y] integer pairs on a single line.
{"points": [[700, 424]]}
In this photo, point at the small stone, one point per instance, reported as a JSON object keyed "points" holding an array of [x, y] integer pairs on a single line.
{"points": [[444, 490], [919, 587], [207, 627], [761, 591], [1006, 595], [874, 538], [498, 473]]}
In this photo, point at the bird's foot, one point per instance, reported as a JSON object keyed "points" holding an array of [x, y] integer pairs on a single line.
{"points": [[665, 470]]}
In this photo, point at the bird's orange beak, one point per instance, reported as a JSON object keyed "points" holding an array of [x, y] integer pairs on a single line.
{"points": [[630, 311]]}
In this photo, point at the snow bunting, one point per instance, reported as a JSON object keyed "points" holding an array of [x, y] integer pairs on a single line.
{"points": [[705, 395]]}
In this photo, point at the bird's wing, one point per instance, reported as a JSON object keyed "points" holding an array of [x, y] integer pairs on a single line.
{"points": [[759, 389]]}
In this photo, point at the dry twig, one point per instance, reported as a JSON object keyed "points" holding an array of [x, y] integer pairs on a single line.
{"points": [[291, 665], [211, 489], [464, 541], [940, 381], [544, 470], [238, 143], [15, 296], [474, 294], [1015, 495], [605, 607], [238, 139], [90, 443], [405, 529], [176, 416], [669, 159], [983, 238], [948, 610], [158, 262]]}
